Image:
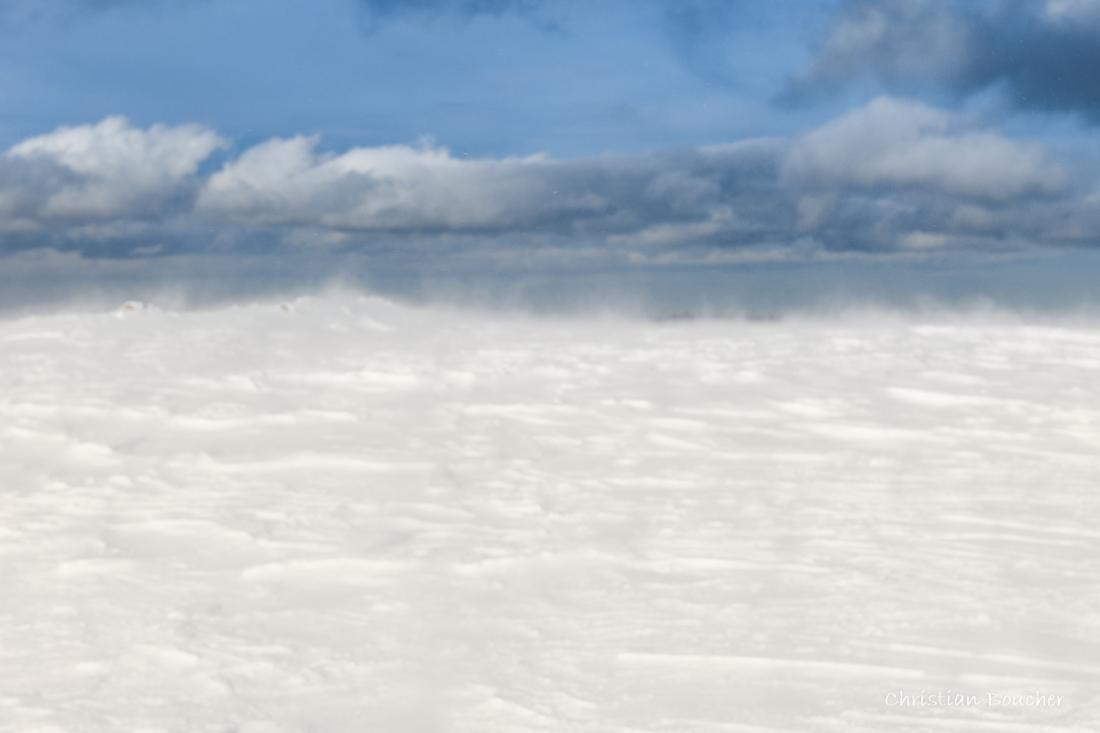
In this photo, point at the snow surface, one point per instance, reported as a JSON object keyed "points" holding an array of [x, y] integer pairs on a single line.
{"points": [[344, 514]]}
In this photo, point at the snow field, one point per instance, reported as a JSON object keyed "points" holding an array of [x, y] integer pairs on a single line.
{"points": [[344, 514]]}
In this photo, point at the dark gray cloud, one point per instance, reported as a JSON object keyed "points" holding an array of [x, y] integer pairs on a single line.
{"points": [[1042, 53], [893, 177]]}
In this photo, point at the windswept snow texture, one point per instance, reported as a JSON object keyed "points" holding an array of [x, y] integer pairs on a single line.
{"points": [[342, 514]]}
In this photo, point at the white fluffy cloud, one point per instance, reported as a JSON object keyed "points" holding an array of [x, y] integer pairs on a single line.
{"points": [[383, 188], [110, 170], [903, 143]]}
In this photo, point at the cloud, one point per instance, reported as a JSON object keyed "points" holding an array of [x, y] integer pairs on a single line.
{"points": [[286, 181], [898, 41], [425, 189], [1041, 54], [893, 176], [899, 175], [107, 171], [895, 143]]}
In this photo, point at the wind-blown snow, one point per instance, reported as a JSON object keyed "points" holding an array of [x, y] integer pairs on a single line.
{"points": [[343, 514]]}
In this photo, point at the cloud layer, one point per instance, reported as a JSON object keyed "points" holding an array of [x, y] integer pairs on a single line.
{"points": [[1041, 54], [891, 177]]}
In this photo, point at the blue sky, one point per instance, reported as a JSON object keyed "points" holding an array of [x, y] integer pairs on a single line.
{"points": [[566, 78], [524, 133]]}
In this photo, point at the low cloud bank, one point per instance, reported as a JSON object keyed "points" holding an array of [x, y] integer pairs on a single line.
{"points": [[895, 177]]}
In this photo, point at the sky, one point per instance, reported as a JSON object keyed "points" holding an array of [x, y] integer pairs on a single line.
{"points": [[505, 135]]}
